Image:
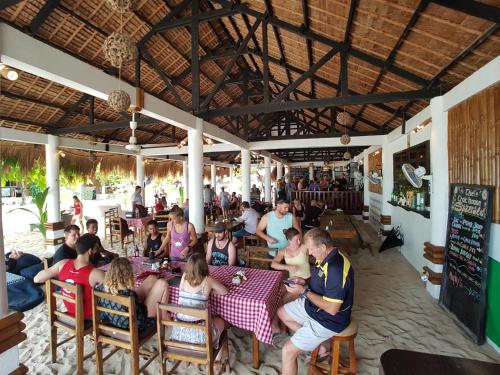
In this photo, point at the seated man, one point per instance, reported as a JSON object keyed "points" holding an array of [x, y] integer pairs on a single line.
{"points": [[102, 255], [249, 218], [77, 271], [323, 308], [311, 216], [220, 251], [68, 248], [137, 203]]}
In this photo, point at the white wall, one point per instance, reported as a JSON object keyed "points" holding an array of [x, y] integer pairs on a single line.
{"points": [[375, 209]]}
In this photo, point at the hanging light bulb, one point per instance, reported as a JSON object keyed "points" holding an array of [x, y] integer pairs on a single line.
{"points": [[347, 155], [8, 73]]}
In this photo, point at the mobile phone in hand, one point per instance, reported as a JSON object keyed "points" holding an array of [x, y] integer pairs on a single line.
{"points": [[288, 282]]}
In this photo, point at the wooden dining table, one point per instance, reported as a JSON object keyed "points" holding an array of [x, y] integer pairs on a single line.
{"points": [[341, 227], [250, 306]]}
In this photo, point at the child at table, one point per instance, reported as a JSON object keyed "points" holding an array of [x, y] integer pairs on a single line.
{"points": [[120, 280], [194, 291], [154, 239]]}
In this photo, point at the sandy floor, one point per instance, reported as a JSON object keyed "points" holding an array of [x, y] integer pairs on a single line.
{"points": [[391, 305]]}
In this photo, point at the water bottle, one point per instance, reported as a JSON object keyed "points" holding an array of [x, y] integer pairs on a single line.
{"points": [[136, 251]]}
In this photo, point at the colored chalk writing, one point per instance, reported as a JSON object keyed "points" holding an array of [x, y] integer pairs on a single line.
{"points": [[463, 292]]}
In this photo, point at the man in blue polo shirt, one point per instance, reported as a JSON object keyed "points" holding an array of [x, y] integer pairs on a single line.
{"points": [[323, 308]]}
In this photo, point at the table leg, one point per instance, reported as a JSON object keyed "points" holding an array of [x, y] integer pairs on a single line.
{"points": [[255, 352]]}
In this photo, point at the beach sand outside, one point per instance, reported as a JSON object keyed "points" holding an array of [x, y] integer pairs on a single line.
{"points": [[391, 305]]}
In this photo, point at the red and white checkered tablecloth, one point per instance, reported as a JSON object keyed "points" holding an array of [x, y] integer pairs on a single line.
{"points": [[138, 222], [250, 305]]}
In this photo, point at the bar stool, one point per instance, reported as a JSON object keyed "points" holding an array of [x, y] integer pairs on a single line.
{"points": [[335, 366]]}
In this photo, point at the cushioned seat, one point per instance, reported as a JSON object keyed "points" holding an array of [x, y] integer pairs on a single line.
{"points": [[350, 330]]}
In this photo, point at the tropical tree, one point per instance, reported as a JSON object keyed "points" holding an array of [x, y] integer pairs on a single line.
{"points": [[40, 201]]}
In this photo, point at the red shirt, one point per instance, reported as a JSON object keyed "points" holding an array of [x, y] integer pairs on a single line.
{"points": [[159, 207], [78, 208], [81, 277]]}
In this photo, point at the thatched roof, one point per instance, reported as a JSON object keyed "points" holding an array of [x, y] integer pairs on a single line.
{"points": [[392, 47]]}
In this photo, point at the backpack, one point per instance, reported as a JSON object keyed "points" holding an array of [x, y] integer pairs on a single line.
{"points": [[22, 293]]}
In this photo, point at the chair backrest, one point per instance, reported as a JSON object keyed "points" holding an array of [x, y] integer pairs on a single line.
{"points": [[116, 226], [162, 220], [55, 291], [107, 333], [257, 257], [185, 351]]}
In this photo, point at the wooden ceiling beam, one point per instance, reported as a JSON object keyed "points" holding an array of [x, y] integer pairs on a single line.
{"points": [[4, 4], [473, 8], [42, 15], [392, 55]]}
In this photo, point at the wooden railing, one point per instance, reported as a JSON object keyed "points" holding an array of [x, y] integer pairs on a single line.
{"points": [[351, 202]]}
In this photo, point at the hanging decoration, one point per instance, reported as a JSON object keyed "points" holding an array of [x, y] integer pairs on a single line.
{"points": [[345, 139], [121, 6], [343, 118], [119, 100], [119, 49], [347, 155]]}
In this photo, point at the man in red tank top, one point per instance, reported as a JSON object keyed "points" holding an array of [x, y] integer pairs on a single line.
{"points": [[77, 271]]}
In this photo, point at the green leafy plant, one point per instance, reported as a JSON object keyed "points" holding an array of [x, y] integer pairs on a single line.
{"points": [[181, 193], [40, 201]]}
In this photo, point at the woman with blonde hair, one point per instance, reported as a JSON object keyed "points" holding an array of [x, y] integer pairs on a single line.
{"points": [[120, 280], [180, 236], [194, 291]]}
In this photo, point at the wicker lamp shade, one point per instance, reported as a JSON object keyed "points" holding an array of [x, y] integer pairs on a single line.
{"points": [[119, 49], [343, 118], [121, 6], [119, 100], [347, 155], [345, 139]]}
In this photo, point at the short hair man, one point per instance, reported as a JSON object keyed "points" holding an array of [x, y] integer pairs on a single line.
{"points": [[274, 223], [77, 271], [220, 251], [68, 248], [323, 308], [102, 255], [249, 218], [137, 199]]}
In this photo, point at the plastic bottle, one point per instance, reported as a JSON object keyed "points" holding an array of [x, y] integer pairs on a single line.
{"points": [[136, 251]]}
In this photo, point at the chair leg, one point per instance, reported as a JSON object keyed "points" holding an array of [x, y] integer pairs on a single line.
{"points": [[53, 343], [98, 358], [334, 370], [352, 357], [134, 357], [228, 364], [79, 353], [312, 362], [163, 365]]}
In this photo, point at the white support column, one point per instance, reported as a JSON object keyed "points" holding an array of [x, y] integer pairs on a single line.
{"points": [[245, 175], [311, 171], [231, 178], [52, 178], [287, 173], [387, 185], [139, 175], [4, 308], [440, 182], [267, 179], [213, 175], [279, 170], [185, 178], [195, 167], [366, 187], [333, 170]]}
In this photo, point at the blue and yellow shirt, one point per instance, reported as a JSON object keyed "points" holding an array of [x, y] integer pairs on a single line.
{"points": [[333, 279]]}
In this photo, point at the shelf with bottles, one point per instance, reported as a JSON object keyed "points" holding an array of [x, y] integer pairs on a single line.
{"points": [[412, 199]]}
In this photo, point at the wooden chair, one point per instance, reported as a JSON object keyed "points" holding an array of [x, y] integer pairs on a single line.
{"points": [[183, 351], [162, 220], [257, 257], [76, 326], [335, 365], [120, 234], [107, 224], [131, 339]]}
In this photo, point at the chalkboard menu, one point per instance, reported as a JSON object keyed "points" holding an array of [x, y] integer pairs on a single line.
{"points": [[463, 292]]}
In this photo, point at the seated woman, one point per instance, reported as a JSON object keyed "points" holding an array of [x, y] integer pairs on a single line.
{"points": [[154, 238], [120, 280], [296, 260], [180, 236], [220, 250], [23, 264], [194, 290]]}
